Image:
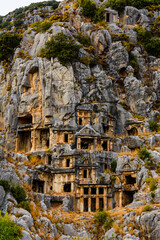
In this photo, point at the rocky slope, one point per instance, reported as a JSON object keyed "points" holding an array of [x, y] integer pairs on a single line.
{"points": [[114, 74]]}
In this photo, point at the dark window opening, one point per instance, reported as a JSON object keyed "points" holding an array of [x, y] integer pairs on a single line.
{"points": [[49, 159], [38, 186], [105, 129], [85, 202], [108, 17], [51, 188], [105, 166], [25, 120], [101, 190], [104, 145], [80, 121], [66, 138], [86, 190], [47, 143], [24, 141], [55, 203], [93, 204], [34, 70], [127, 197], [67, 187], [101, 167], [122, 71], [130, 179], [44, 138], [68, 163], [93, 190], [133, 132], [84, 173], [86, 143], [101, 204]]}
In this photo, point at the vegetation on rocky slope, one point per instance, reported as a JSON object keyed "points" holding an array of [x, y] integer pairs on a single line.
{"points": [[8, 229]]}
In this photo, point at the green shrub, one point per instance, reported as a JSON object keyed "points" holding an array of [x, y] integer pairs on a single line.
{"points": [[18, 193], [153, 186], [153, 47], [158, 170], [5, 184], [113, 166], [101, 217], [62, 47], [108, 223], [144, 153], [153, 194], [8, 229], [89, 8], [85, 60], [149, 180], [8, 42], [84, 40], [99, 16], [42, 26], [119, 5], [147, 208], [153, 126], [156, 26], [90, 79], [25, 205]]}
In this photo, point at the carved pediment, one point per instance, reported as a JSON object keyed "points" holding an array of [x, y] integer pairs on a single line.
{"points": [[87, 131]]}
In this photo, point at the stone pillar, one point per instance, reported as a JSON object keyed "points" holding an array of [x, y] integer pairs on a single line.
{"points": [[120, 199], [108, 142], [33, 138], [105, 199], [97, 199], [81, 200], [89, 204]]}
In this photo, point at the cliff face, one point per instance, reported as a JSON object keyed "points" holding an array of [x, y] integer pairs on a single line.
{"points": [[78, 133]]}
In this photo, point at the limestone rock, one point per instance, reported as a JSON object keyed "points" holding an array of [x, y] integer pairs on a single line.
{"points": [[69, 230], [117, 57], [133, 142], [26, 235], [25, 221], [110, 234], [2, 195], [141, 176], [101, 40]]}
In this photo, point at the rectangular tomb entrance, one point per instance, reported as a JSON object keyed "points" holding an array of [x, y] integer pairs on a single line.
{"points": [[24, 141]]}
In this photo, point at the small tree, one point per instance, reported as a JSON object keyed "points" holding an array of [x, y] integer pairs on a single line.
{"points": [[62, 47], [8, 229], [153, 126], [143, 153], [113, 166], [8, 42]]}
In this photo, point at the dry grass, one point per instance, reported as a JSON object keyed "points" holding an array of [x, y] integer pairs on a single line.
{"points": [[34, 161], [132, 154], [10, 159]]}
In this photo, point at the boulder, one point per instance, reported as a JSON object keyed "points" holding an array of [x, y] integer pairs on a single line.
{"points": [[150, 223], [25, 221], [110, 234], [2, 195], [69, 230], [26, 235], [141, 176], [132, 142]]}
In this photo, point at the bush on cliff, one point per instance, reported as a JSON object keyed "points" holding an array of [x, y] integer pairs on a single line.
{"points": [[62, 47], [8, 43], [119, 5], [8, 229]]}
